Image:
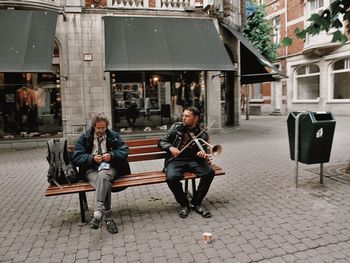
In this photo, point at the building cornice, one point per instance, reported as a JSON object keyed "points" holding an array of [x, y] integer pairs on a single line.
{"points": [[30, 4]]}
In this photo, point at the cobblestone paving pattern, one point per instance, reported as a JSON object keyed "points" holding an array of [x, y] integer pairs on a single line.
{"points": [[259, 214]]}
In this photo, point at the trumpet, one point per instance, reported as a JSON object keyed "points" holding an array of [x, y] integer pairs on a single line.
{"points": [[215, 150]]}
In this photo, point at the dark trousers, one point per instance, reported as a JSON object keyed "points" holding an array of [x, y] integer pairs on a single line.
{"points": [[174, 173]]}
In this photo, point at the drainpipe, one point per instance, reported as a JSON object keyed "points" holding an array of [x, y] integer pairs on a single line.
{"points": [[284, 87], [247, 95], [243, 14]]}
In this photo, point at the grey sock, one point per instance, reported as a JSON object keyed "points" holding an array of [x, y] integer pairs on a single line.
{"points": [[98, 215]]}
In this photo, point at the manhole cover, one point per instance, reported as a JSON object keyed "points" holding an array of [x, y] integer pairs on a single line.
{"points": [[334, 171]]}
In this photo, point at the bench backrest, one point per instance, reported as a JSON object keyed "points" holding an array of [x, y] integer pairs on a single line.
{"points": [[145, 149], [141, 150]]}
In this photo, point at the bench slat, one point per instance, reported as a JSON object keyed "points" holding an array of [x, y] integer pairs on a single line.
{"points": [[146, 157], [136, 143], [147, 149]]}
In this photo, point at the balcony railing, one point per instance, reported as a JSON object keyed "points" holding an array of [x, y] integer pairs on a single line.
{"points": [[159, 4], [44, 3], [128, 3], [174, 4]]}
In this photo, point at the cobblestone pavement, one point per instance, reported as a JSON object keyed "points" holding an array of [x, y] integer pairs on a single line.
{"points": [[259, 215]]}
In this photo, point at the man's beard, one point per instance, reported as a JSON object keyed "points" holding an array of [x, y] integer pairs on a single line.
{"points": [[185, 124]]}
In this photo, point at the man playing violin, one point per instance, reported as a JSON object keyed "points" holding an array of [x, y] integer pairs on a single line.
{"points": [[184, 156]]}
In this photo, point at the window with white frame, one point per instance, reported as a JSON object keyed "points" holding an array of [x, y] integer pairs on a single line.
{"points": [[257, 92], [307, 78], [277, 28], [315, 5], [340, 73]]}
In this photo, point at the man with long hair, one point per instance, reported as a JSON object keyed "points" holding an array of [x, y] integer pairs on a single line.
{"points": [[101, 156]]}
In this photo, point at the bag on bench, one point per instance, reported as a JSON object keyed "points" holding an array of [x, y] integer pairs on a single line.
{"points": [[61, 171]]}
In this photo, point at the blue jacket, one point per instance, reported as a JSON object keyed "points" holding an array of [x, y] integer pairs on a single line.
{"points": [[82, 155]]}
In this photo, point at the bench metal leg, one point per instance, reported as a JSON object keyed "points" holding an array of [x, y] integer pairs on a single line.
{"points": [[82, 200], [194, 188], [85, 201], [186, 188]]}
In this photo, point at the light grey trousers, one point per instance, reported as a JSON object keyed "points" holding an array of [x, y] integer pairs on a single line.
{"points": [[102, 181]]}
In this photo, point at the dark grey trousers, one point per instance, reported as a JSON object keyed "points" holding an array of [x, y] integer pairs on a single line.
{"points": [[102, 181]]}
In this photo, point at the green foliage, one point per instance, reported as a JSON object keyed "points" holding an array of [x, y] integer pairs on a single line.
{"points": [[260, 32], [287, 41], [330, 19], [339, 36]]}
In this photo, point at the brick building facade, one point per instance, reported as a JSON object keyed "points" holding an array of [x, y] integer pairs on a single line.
{"points": [[318, 70]]}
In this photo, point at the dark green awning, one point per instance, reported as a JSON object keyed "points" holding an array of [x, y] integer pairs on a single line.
{"points": [[26, 40], [253, 65], [163, 43]]}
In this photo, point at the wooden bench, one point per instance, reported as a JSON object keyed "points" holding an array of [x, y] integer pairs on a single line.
{"points": [[139, 150]]}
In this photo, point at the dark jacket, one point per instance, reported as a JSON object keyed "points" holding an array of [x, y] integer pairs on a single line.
{"points": [[82, 155], [174, 137]]}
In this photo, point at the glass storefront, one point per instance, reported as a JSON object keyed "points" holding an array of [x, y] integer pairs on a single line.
{"points": [[30, 104], [151, 101]]}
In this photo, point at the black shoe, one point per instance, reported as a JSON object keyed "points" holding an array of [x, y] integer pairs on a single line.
{"points": [[183, 211], [111, 226], [96, 219], [202, 211], [94, 224]]}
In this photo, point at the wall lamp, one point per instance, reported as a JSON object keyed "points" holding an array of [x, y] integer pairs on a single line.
{"points": [[221, 75], [61, 12]]}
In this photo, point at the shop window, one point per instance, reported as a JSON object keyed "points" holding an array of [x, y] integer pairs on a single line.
{"points": [[30, 104], [144, 101], [307, 79], [341, 79], [152, 92]]}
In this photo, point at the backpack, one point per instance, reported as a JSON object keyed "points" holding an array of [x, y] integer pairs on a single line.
{"points": [[61, 171]]}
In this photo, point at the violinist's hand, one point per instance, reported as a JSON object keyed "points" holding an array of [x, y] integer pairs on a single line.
{"points": [[205, 156], [174, 151]]}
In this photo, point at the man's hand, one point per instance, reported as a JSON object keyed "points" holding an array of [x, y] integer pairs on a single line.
{"points": [[98, 158], [106, 157], [204, 155], [174, 151]]}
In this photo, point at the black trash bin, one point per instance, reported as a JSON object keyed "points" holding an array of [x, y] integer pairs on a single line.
{"points": [[316, 132]]}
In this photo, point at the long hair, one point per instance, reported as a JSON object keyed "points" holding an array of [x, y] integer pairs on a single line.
{"points": [[99, 117]]}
